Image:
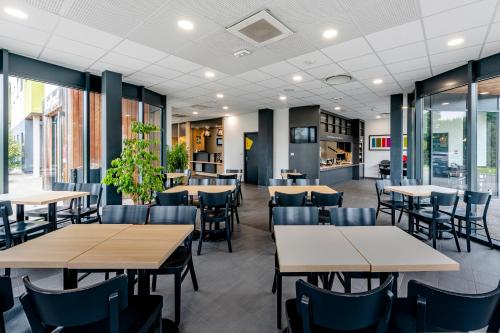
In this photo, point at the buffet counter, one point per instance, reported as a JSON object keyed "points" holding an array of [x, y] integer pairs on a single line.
{"points": [[340, 173]]}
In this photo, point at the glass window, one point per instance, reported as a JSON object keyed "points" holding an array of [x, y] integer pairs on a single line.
{"points": [[95, 137], [130, 113], [152, 115]]}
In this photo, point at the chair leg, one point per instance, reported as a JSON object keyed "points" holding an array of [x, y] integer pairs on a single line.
{"points": [[433, 232], [369, 282], [400, 216], [459, 226], [393, 216], [237, 216], [7, 271], [106, 275], [485, 224], [153, 282], [270, 217], [228, 235], [455, 236], [193, 274], [273, 290], [378, 209], [2, 324], [202, 235], [178, 282], [468, 232], [347, 283]]}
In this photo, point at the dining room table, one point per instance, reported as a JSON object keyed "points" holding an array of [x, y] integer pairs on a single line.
{"points": [[284, 175], [194, 189], [294, 189], [171, 176]]}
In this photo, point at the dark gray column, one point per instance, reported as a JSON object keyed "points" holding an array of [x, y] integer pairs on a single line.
{"points": [[396, 138], [471, 127], [86, 130], [164, 132], [418, 126], [265, 144], [111, 138], [410, 131], [4, 124]]}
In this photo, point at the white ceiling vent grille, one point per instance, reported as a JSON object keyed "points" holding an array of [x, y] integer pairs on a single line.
{"points": [[260, 29]]}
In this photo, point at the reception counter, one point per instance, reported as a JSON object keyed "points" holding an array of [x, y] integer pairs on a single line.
{"points": [[336, 174]]}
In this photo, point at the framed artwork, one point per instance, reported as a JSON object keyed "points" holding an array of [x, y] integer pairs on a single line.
{"points": [[383, 142], [220, 132], [219, 141]]}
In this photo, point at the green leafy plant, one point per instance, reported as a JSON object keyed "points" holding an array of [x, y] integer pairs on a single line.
{"points": [[15, 153], [135, 173], [177, 157]]}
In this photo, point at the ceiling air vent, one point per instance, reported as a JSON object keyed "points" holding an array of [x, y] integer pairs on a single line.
{"points": [[178, 115], [260, 29]]}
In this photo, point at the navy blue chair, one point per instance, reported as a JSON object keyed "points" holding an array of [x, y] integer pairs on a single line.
{"points": [[172, 198], [6, 299]]}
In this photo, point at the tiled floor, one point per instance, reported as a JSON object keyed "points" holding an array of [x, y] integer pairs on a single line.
{"points": [[235, 288]]}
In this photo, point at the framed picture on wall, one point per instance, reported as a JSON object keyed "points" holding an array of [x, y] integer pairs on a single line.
{"points": [[219, 141], [383, 142], [220, 132]]}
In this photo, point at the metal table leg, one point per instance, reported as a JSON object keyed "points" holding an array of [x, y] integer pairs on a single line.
{"points": [[278, 298], [52, 216], [143, 283], [70, 278], [410, 216], [20, 212]]}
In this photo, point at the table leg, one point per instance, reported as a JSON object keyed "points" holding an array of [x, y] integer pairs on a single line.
{"points": [[52, 216], [312, 278], [278, 298], [19, 212], [131, 281], [70, 278], [395, 275], [410, 216], [143, 288], [171, 182]]}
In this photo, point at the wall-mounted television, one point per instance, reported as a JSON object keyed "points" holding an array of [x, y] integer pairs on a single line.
{"points": [[303, 134]]}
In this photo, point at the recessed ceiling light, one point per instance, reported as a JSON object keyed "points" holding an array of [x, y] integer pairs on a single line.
{"points": [[378, 81], [282, 98], [185, 24], [484, 93], [455, 41], [297, 78], [450, 83], [378, 116], [209, 74], [220, 95], [337, 108], [337, 79], [445, 103], [241, 53], [227, 115], [195, 112], [14, 12], [330, 33], [225, 107]]}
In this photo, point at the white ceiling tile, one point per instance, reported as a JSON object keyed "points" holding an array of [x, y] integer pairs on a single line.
{"points": [[22, 33], [178, 64], [416, 75], [444, 68], [254, 76], [466, 54], [356, 64], [471, 37], [74, 47], [409, 65], [346, 50], [279, 69], [22, 48], [396, 36], [430, 7], [173, 85], [310, 60], [490, 49], [146, 79], [312, 85], [349, 86], [325, 71], [160, 71], [459, 19], [191, 79], [85, 34], [252, 87], [289, 77], [65, 59], [201, 74], [494, 33], [406, 52], [100, 67], [122, 60], [232, 81], [37, 18], [371, 73], [139, 51]]}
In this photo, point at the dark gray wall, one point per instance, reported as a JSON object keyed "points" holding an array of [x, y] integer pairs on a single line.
{"points": [[396, 138], [265, 146], [305, 156]]}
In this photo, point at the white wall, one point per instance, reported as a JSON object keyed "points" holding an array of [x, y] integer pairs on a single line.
{"points": [[280, 141], [373, 157], [234, 127]]}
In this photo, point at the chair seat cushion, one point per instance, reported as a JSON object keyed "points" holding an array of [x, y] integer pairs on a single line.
{"points": [[402, 317], [75, 212], [425, 214], [295, 321], [25, 227], [176, 259], [393, 203], [141, 315], [460, 213], [44, 211]]}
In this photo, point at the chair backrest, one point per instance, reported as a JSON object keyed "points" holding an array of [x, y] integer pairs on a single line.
{"points": [[226, 181], [4, 208], [444, 199], [410, 182], [305, 182], [102, 301], [380, 185], [327, 199], [290, 200], [8, 207], [200, 181], [6, 294], [295, 216], [295, 177], [288, 170], [172, 215], [172, 198], [454, 311], [124, 214], [233, 176], [186, 172], [353, 216], [63, 186], [320, 308], [94, 189], [385, 162], [280, 182], [477, 199], [210, 200]]}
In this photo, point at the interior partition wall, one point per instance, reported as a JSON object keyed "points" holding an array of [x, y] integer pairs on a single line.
{"points": [[75, 136], [456, 121]]}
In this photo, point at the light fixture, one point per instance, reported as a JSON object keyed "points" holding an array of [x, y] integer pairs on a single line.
{"points": [[220, 95], [330, 33], [337, 79], [185, 25], [455, 41], [337, 108], [378, 81], [241, 53], [227, 115], [195, 112], [209, 74], [484, 93], [225, 107], [450, 83], [282, 98], [445, 103], [14, 12], [378, 116], [297, 78]]}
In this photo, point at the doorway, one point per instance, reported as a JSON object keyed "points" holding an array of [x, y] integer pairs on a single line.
{"points": [[251, 165]]}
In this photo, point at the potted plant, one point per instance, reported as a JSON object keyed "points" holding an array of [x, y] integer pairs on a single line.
{"points": [[177, 157], [135, 173]]}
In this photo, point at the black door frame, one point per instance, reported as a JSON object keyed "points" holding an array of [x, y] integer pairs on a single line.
{"points": [[245, 156]]}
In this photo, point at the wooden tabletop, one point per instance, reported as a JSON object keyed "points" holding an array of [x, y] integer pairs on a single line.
{"points": [[293, 189], [173, 175], [316, 249], [193, 189], [47, 197], [419, 190], [284, 175], [390, 249]]}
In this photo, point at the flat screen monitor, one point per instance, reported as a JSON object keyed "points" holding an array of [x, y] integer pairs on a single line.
{"points": [[303, 134]]}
